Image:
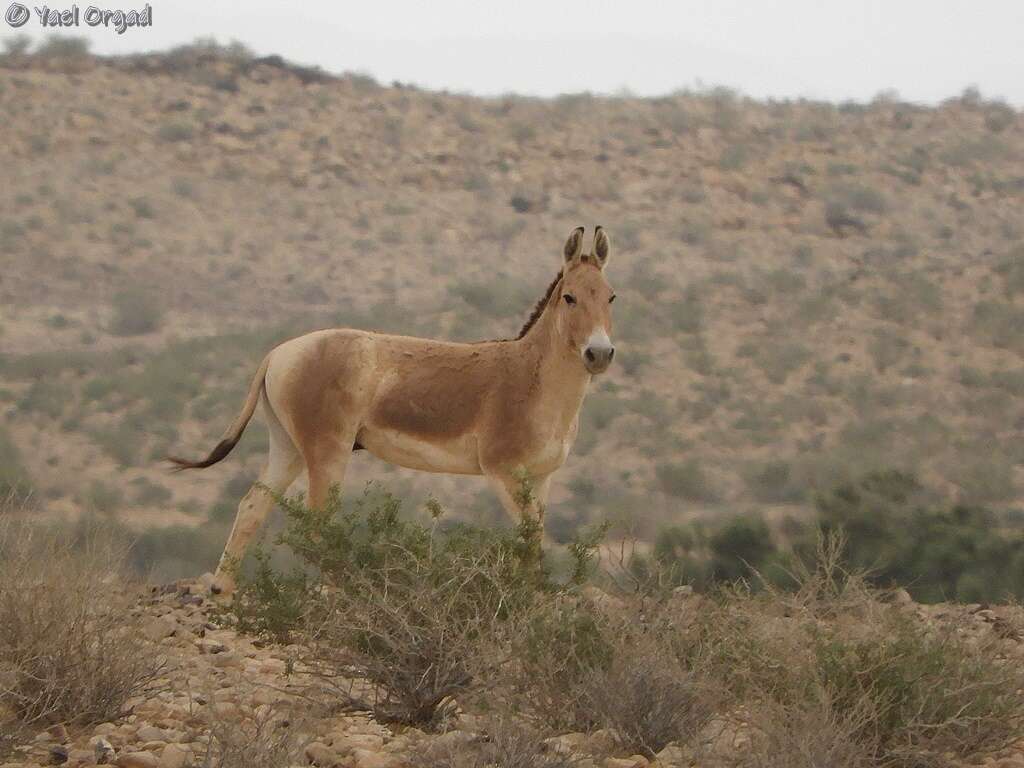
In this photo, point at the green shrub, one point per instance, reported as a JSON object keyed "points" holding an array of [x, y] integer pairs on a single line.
{"points": [[778, 361], [14, 480], [103, 498], [687, 316], [773, 483], [858, 197], [63, 47], [407, 607], [17, 45], [49, 396], [705, 556], [904, 691], [686, 480], [176, 130], [177, 551], [887, 349], [148, 493], [135, 313], [122, 441], [936, 552], [499, 299], [1011, 269], [581, 668]]}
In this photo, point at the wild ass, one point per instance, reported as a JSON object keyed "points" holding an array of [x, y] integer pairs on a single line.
{"points": [[493, 408]]}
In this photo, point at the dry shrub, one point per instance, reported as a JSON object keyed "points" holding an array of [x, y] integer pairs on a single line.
{"points": [[399, 616], [812, 735], [71, 650], [416, 636], [647, 698], [902, 688], [580, 669], [271, 736], [505, 743]]}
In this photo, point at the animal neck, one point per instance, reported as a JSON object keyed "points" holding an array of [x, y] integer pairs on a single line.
{"points": [[558, 371]]}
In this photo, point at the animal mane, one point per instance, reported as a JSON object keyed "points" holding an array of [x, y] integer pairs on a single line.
{"points": [[539, 308]]}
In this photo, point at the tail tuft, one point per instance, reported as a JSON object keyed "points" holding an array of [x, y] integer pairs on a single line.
{"points": [[223, 449]]}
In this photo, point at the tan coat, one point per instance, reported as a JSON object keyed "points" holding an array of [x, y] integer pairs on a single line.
{"points": [[495, 408]]}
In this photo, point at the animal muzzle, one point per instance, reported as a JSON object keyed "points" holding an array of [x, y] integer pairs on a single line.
{"points": [[598, 352]]}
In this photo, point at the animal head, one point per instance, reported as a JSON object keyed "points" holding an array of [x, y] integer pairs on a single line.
{"points": [[583, 310]]}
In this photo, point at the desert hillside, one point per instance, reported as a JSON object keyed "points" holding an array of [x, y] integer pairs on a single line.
{"points": [[807, 291]]}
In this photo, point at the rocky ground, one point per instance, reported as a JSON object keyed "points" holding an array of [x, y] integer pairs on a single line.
{"points": [[228, 697], [229, 700]]}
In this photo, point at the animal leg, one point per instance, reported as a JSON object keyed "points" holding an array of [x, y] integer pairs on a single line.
{"points": [[524, 507], [282, 467], [327, 470], [510, 490]]}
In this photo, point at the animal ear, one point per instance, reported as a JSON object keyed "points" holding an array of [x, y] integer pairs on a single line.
{"points": [[574, 246], [601, 247]]}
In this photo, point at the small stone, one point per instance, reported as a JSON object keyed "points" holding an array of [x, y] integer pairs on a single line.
{"points": [[228, 659], [158, 629], [601, 742], [174, 756], [365, 758], [567, 743], [902, 597], [137, 760], [673, 756], [151, 733], [58, 755], [369, 741], [81, 757], [636, 761], [453, 740], [321, 755], [103, 750], [211, 646]]}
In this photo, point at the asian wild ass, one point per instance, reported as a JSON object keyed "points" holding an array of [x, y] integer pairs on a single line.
{"points": [[493, 408]]}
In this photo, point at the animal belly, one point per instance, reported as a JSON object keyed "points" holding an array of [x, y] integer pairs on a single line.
{"points": [[454, 456]]}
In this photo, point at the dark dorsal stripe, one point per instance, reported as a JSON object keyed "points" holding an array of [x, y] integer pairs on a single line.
{"points": [[538, 310]]}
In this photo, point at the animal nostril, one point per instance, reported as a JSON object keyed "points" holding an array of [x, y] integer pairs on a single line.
{"points": [[589, 354], [611, 353]]}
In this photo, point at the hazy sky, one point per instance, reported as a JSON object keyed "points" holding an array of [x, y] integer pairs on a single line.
{"points": [[926, 50]]}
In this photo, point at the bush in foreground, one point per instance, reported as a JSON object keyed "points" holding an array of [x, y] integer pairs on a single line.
{"points": [[409, 609], [417, 622], [71, 650], [883, 683]]}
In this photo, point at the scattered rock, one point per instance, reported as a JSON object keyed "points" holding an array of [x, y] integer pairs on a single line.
{"points": [[366, 758], [174, 756], [150, 733], [159, 628], [137, 760], [636, 761], [103, 750], [320, 755]]}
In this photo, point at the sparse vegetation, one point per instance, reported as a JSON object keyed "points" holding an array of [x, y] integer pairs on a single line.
{"points": [[67, 655], [135, 313]]}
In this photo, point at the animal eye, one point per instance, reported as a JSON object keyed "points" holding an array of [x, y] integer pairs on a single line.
{"points": [[569, 299], [611, 299]]}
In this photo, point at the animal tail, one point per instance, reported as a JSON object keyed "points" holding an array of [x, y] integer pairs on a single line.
{"points": [[234, 432]]}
